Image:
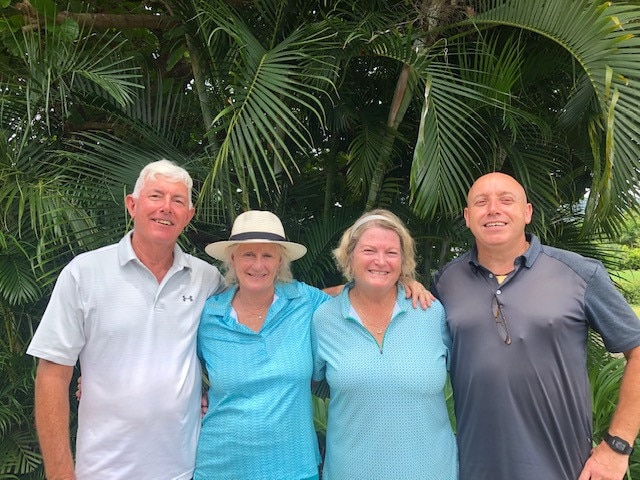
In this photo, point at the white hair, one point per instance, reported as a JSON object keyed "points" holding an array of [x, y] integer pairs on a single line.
{"points": [[164, 168]]}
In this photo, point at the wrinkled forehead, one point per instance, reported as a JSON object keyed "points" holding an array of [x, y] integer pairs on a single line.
{"points": [[373, 233]]}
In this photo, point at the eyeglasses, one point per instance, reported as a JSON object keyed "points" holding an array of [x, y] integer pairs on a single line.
{"points": [[500, 319]]}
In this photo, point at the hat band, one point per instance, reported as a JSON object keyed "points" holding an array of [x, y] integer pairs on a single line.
{"points": [[258, 236]]}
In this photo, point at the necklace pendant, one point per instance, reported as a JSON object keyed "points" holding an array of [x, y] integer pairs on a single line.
{"points": [[379, 331]]}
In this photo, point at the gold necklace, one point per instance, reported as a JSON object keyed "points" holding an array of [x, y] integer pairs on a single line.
{"points": [[377, 328], [503, 274], [259, 313], [360, 311]]}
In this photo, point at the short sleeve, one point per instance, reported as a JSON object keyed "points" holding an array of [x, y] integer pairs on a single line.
{"points": [[60, 335], [609, 313]]}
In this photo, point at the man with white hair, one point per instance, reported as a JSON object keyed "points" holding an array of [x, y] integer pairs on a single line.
{"points": [[129, 313]]}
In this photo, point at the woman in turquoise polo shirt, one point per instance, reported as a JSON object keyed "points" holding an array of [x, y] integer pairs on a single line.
{"points": [[385, 363], [254, 341]]}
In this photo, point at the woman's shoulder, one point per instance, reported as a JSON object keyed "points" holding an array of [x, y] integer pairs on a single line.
{"points": [[436, 309], [219, 303], [333, 306], [224, 296], [297, 289]]}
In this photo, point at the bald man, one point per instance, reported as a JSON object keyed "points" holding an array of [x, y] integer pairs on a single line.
{"points": [[519, 313]]}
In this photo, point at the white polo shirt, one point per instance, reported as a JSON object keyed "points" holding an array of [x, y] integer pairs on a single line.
{"points": [[136, 341]]}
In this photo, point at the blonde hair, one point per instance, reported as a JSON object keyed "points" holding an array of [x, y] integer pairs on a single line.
{"points": [[284, 273], [381, 218]]}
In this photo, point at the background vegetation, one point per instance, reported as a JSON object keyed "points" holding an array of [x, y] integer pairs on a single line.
{"points": [[316, 110]]}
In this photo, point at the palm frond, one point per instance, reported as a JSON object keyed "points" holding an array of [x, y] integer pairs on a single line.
{"points": [[66, 59], [602, 39], [320, 237], [454, 127], [366, 151], [18, 283], [272, 84]]}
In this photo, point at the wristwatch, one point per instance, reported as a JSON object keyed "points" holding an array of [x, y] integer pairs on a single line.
{"points": [[617, 444]]}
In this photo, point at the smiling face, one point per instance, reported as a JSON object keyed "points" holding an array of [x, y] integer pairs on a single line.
{"points": [[256, 265], [160, 212], [377, 259], [497, 212]]}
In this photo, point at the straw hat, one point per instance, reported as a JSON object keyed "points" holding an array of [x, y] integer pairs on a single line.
{"points": [[256, 226]]}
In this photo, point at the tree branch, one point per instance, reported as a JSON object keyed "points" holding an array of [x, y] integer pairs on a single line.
{"points": [[100, 20], [120, 21]]}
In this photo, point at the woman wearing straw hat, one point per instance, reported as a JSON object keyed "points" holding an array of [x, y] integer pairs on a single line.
{"points": [[254, 340], [386, 363]]}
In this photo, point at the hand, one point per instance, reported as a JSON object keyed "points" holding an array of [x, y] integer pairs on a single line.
{"points": [[79, 389], [419, 293], [333, 291], [604, 464], [204, 404]]}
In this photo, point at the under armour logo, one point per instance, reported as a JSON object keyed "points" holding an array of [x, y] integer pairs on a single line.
{"points": [[185, 298]]}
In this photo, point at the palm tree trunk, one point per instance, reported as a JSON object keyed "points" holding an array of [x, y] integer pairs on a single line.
{"points": [[399, 105]]}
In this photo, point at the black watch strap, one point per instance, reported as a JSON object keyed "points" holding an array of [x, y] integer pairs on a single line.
{"points": [[617, 444]]}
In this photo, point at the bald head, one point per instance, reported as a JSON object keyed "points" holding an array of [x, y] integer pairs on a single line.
{"points": [[497, 213], [496, 181]]}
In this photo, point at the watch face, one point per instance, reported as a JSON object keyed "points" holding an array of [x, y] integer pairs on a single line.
{"points": [[618, 445]]}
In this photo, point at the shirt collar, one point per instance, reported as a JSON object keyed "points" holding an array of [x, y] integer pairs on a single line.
{"points": [[527, 258], [222, 305], [127, 254], [346, 308]]}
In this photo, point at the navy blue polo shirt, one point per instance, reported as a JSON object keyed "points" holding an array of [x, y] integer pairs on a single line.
{"points": [[523, 409]]}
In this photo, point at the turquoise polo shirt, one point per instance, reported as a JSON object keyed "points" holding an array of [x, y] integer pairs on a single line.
{"points": [[388, 417], [259, 425]]}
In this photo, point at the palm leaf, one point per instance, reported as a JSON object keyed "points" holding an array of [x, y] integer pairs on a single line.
{"points": [[18, 283], [51, 68], [271, 85], [601, 37], [321, 237]]}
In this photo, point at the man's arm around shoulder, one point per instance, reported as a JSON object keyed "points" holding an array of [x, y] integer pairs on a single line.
{"points": [[604, 463], [52, 419]]}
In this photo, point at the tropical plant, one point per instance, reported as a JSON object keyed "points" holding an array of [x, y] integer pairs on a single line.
{"points": [[18, 443], [605, 373], [316, 110]]}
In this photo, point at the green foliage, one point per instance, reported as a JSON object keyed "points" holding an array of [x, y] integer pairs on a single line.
{"points": [[628, 282], [18, 444], [630, 237], [320, 413], [448, 396], [631, 259], [605, 373], [584, 120], [631, 292], [268, 84]]}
